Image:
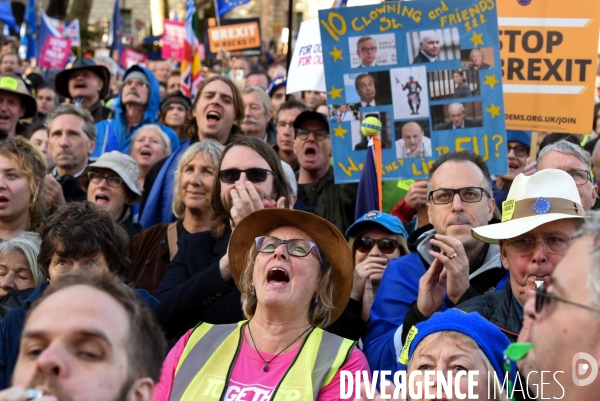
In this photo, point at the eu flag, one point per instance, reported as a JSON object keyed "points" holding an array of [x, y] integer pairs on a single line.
{"points": [[30, 21], [224, 6], [116, 31], [6, 15]]}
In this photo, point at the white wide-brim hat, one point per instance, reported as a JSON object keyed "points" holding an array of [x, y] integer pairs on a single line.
{"points": [[545, 196]]}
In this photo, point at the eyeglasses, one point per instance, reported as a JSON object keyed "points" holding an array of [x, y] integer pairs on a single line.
{"points": [[520, 151], [581, 177], [446, 195], [111, 180], [231, 175], [526, 245], [294, 247], [543, 298], [368, 49], [319, 134], [385, 245]]}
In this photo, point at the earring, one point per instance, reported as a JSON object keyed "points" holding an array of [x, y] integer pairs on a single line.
{"points": [[316, 299], [253, 293]]}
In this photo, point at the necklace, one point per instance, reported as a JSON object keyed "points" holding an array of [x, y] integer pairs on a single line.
{"points": [[267, 361]]}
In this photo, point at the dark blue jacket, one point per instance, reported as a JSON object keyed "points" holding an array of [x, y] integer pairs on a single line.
{"points": [[397, 291], [12, 326], [112, 134]]}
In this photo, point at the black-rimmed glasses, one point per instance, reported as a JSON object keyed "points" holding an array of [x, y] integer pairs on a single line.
{"points": [[112, 180], [320, 134], [446, 195]]}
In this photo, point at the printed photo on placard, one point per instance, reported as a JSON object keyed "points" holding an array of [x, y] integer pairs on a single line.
{"points": [[481, 58], [409, 92], [433, 45], [342, 112], [453, 84], [454, 116], [372, 50], [368, 89], [413, 139], [359, 141]]}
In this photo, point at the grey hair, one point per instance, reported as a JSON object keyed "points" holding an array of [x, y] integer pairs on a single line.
{"points": [[70, 109], [211, 150], [291, 178], [29, 244], [266, 100], [166, 142], [591, 228], [567, 148], [425, 34], [113, 68], [462, 106], [476, 50]]}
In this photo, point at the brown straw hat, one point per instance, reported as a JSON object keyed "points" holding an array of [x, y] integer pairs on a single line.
{"points": [[330, 240]]}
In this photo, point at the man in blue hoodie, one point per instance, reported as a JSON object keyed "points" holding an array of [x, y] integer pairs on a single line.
{"points": [[459, 198], [138, 104]]}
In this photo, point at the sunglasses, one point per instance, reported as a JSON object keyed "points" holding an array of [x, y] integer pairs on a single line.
{"points": [[231, 175], [385, 245], [542, 298]]}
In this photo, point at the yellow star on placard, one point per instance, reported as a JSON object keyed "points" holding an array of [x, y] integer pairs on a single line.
{"points": [[336, 54], [340, 131], [493, 110], [476, 39], [335, 92], [490, 80]]}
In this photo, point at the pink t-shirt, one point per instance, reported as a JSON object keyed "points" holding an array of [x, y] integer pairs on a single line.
{"points": [[248, 380]]}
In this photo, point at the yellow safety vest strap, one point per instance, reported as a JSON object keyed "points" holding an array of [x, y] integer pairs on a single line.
{"points": [[333, 353], [198, 356]]}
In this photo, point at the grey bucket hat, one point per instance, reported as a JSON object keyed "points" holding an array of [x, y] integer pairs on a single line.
{"points": [[121, 164]]}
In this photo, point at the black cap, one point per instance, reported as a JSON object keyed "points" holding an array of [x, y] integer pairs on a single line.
{"points": [[175, 97], [310, 116], [82, 63]]}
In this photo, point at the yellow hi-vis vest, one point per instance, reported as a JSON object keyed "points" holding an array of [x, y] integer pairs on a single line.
{"points": [[207, 361]]}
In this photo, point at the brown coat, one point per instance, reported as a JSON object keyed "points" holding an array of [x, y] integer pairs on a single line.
{"points": [[150, 256]]}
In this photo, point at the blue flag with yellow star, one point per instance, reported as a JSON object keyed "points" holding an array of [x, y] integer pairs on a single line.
{"points": [[30, 22], [6, 15], [115, 34], [224, 6]]}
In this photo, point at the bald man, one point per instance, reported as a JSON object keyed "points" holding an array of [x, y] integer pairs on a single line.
{"points": [[429, 47], [414, 143], [457, 118]]}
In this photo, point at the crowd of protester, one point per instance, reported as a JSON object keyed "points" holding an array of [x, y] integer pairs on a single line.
{"points": [[157, 247]]}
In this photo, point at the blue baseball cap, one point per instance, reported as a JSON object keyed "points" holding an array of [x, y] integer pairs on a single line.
{"points": [[374, 218], [487, 336], [523, 137], [276, 84]]}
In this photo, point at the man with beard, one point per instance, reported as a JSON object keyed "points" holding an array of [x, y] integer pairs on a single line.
{"points": [[257, 113], [137, 105], [71, 139], [86, 84], [459, 199], [198, 285], [316, 186], [107, 346], [15, 103]]}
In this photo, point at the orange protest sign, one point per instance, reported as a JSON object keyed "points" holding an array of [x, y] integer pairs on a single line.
{"points": [[234, 37], [549, 52]]}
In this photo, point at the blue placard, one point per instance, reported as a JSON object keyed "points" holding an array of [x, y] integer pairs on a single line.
{"points": [[428, 70]]}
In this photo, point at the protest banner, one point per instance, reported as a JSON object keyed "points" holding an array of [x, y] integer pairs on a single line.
{"points": [[130, 57], [240, 37], [306, 70], [408, 64], [173, 38], [55, 52], [549, 55]]}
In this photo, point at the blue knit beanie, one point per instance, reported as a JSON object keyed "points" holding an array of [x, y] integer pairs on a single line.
{"points": [[487, 336], [523, 137]]}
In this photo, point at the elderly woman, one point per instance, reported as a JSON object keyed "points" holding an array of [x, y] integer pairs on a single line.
{"points": [[375, 239], [173, 112], [294, 273], [461, 89], [19, 270], [112, 183], [149, 145], [152, 250], [22, 171]]}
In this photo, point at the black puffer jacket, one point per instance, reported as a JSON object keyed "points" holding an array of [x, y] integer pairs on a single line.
{"points": [[13, 299], [497, 307]]}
